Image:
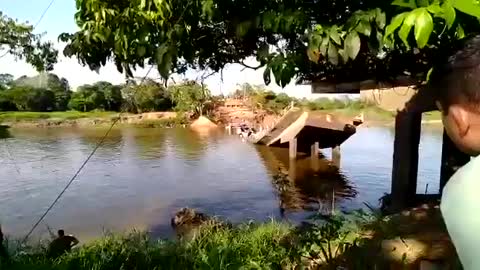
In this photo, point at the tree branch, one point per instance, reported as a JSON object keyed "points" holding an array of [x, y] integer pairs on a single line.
{"points": [[248, 66]]}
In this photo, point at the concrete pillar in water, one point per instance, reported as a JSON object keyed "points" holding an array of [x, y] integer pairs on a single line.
{"points": [[292, 169], [292, 149], [315, 151], [336, 155]]}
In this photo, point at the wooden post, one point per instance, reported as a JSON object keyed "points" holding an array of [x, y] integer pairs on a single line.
{"points": [[336, 156], [405, 159], [452, 160], [292, 148]]}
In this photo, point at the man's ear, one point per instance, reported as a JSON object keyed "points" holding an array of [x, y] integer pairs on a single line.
{"points": [[460, 117]]}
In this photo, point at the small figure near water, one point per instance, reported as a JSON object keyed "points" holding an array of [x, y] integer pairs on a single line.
{"points": [[62, 244], [3, 249]]}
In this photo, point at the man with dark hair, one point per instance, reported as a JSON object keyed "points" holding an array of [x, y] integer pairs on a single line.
{"points": [[457, 88], [62, 244]]}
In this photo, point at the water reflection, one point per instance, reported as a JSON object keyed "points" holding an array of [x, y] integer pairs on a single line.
{"points": [[306, 184], [4, 132]]}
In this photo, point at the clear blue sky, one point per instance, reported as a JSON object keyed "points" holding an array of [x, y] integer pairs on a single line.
{"points": [[58, 19]]}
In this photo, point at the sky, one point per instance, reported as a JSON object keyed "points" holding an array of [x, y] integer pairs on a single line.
{"points": [[60, 18]]}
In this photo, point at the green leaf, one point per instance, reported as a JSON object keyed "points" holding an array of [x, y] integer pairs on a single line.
{"points": [[315, 40], [460, 33], [313, 55], [364, 28], [352, 44], [343, 54], [435, 9], [141, 51], [323, 47], [469, 7], [332, 54], [407, 26], [395, 23], [263, 51], [449, 13], [335, 36], [423, 27], [401, 3], [429, 74], [423, 3], [380, 18], [266, 76], [287, 75]]}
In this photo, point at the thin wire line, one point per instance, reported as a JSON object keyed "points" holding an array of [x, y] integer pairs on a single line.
{"points": [[79, 169], [43, 14]]}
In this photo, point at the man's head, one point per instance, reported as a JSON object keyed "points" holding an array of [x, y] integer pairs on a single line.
{"points": [[457, 87], [61, 233]]}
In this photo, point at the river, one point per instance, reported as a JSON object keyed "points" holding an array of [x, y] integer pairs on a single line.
{"points": [[140, 177]]}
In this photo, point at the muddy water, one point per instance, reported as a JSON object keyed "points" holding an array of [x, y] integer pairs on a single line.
{"points": [[141, 176]]}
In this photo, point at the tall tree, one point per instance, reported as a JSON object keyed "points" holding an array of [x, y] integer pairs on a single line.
{"points": [[19, 40]]}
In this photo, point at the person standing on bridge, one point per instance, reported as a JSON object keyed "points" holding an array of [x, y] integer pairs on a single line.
{"points": [[456, 85]]}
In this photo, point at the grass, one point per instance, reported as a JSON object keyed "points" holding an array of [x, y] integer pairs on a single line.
{"points": [[67, 115], [248, 246], [343, 241]]}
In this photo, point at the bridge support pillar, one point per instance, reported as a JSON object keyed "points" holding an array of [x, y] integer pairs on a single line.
{"points": [[336, 156], [314, 152], [292, 148]]}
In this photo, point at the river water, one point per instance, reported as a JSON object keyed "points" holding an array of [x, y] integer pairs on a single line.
{"points": [[140, 177]]}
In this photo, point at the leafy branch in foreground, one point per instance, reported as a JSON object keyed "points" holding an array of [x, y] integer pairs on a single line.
{"points": [[18, 40], [335, 41]]}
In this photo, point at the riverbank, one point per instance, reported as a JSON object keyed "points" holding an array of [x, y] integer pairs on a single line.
{"points": [[373, 116], [358, 240]]}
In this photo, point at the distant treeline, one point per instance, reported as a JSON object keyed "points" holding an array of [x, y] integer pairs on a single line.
{"points": [[47, 92]]}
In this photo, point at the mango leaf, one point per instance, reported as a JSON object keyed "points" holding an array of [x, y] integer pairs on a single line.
{"points": [[436, 9], [266, 76], [332, 54], [343, 54], [380, 18], [395, 23], [287, 75], [449, 13], [469, 7], [401, 3], [364, 28], [141, 50], [323, 47], [407, 26], [335, 36], [423, 3], [352, 44], [423, 27], [263, 51], [460, 33], [313, 55], [315, 40]]}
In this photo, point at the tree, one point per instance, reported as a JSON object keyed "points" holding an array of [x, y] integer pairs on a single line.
{"points": [[334, 41], [49, 81], [113, 97], [18, 40], [190, 96], [5, 81], [146, 97], [32, 99], [87, 98]]}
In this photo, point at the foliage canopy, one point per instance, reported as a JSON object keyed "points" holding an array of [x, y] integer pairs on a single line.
{"points": [[19, 40], [342, 40]]}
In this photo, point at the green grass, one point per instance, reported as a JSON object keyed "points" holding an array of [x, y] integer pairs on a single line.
{"points": [[247, 246], [68, 115]]}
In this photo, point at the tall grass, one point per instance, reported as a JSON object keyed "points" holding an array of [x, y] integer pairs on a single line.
{"points": [[248, 246], [68, 115]]}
